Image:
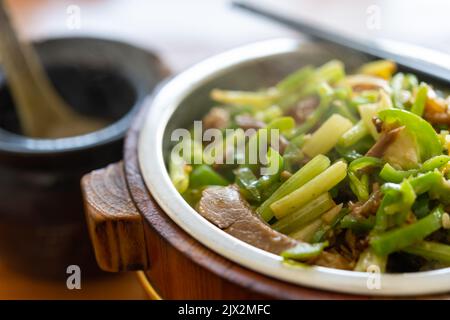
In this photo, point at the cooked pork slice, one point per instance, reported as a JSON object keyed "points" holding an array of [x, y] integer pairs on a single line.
{"points": [[225, 208]]}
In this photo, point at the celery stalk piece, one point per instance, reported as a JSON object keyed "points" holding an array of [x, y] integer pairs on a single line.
{"points": [[302, 176], [284, 124], [296, 80], [310, 190], [331, 72], [327, 136], [421, 98], [400, 238], [307, 232], [431, 251], [305, 214], [304, 251], [179, 173], [369, 259], [343, 109], [330, 220], [353, 135], [259, 100]]}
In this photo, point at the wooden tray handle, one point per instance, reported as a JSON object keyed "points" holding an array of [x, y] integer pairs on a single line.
{"points": [[115, 225]]}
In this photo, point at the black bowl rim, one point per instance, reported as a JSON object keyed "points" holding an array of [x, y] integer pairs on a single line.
{"points": [[22, 145]]}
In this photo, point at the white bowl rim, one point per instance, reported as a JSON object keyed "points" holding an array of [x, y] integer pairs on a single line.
{"points": [[158, 182]]}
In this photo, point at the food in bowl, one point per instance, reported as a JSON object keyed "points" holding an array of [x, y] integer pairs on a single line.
{"points": [[324, 168]]}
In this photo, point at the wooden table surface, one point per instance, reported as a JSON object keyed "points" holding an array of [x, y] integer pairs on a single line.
{"points": [[184, 32]]}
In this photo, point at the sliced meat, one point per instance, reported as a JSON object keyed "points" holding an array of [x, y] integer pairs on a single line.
{"points": [[385, 140], [216, 118], [225, 208], [248, 122], [303, 109]]}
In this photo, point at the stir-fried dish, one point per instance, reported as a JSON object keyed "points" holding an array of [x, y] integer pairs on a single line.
{"points": [[359, 175]]}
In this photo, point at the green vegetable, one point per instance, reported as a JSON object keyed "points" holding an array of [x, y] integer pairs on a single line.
{"points": [[179, 173], [360, 186], [326, 95], [295, 80], [293, 154], [304, 251], [311, 189], [368, 259], [426, 138], [369, 111], [342, 109], [311, 211], [421, 207], [364, 162], [306, 233], [426, 182], [331, 72], [204, 175], [353, 135], [435, 163], [325, 228], [284, 124], [421, 97], [398, 239], [431, 251], [275, 161], [382, 217], [258, 100], [389, 173], [247, 181], [302, 176], [326, 137], [357, 225]]}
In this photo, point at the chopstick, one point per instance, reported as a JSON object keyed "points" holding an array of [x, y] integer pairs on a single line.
{"points": [[426, 61]]}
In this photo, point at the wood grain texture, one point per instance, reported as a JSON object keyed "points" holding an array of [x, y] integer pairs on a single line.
{"points": [[114, 224]]}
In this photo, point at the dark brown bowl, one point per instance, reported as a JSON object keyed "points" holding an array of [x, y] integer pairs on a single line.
{"points": [[42, 229]]}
